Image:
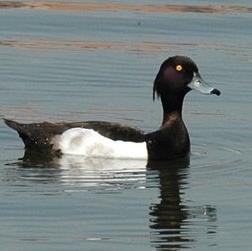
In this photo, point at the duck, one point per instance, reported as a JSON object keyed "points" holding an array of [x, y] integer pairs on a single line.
{"points": [[177, 76]]}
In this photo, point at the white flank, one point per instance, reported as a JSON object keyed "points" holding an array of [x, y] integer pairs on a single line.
{"points": [[89, 143]]}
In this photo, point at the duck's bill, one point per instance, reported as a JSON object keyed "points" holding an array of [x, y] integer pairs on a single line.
{"points": [[200, 85]]}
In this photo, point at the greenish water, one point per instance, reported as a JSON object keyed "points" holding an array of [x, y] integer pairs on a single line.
{"points": [[81, 64]]}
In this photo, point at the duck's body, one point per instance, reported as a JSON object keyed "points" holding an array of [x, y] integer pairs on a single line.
{"points": [[89, 138], [105, 139], [176, 77]]}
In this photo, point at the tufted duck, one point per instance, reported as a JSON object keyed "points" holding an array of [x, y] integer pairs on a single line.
{"points": [[176, 77]]}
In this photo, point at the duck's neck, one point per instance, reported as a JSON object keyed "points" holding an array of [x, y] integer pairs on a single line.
{"points": [[172, 108]]}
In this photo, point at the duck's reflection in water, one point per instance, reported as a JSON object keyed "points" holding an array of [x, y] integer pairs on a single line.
{"points": [[78, 173], [174, 224]]}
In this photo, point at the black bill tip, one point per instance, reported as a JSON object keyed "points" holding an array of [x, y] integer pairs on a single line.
{"points": [[216, 92]]}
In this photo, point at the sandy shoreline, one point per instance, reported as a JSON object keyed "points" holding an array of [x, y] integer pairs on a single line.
{"points": [[146, 47], [80, 45], [114, 7]]}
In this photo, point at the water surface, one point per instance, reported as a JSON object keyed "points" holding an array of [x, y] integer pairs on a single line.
{"points": [[97, 61]]}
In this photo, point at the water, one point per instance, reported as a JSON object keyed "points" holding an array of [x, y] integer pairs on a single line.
{"points": [[89, 63]]}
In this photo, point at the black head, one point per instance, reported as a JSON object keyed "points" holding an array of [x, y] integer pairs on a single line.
{"points": [[178, 75]]}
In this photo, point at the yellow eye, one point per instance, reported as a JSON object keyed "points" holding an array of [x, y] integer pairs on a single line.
{"points": [[179, 67]]}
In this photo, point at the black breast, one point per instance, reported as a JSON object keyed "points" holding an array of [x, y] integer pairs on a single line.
{"points": [[171, 141]]}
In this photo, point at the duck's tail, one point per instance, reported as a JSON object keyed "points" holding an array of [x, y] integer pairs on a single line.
{"points": [[33, 135], [21, 130], [13, 124]]}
